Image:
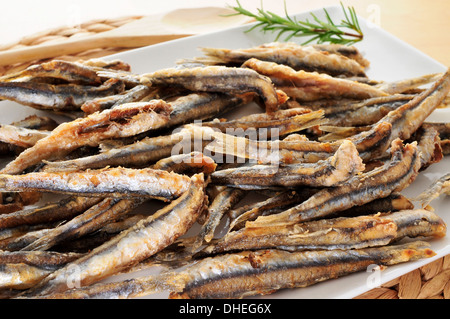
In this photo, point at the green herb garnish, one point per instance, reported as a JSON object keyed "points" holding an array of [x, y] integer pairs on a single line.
{"points": [[347, 32]]}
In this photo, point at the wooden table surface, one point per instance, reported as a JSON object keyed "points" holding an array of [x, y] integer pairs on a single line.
{"points": [[423, 24]]}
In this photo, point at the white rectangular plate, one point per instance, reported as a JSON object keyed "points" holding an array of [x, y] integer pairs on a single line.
{"points": [[390, 58]]}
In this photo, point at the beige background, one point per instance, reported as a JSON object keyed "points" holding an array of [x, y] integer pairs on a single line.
{"points": [[423, 24]]}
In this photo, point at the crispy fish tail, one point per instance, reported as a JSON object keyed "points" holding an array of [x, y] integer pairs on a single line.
{"points": [[438, 187]]}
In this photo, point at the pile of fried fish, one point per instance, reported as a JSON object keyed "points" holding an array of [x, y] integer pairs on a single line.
{"points": [[306, 189]]}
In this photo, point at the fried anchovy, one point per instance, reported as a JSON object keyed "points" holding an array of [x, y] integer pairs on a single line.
{"points": [[204, 106], [307, 58], [350, 52], [365, 112], [273, 201], [391, 203], [405, 120], [109, 182], [438, 187], [265, 271], [371, 144], [184, 249], [194, 162], [62, 209], [249, 273], [393, 176], [429, 145], [108, 210], [17, 136], [294, 148], [428, 138], [287, 151], [417, 222], [282, 124], [138, 154], [123, 121], [276, 204], [307, 86], [8, 233], [408, 84], [219, 206], [65, 70], [36, 122], [134, 94], [131, 246], [63, 97], [330, 172], [336, 233], [442, 128], [44, 259], [410, 116], [21, 137], [20, 241], [115, 64], [88, 242], [217, 79], [278, 115], [126, 77], [13, 201], [184, 109], [444, 134], [335, 133], [21, 270]]}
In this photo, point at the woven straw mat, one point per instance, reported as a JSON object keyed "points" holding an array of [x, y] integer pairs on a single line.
{"points": [[65, 33]]}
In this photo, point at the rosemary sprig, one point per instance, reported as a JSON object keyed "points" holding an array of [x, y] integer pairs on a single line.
{"points": [[347, 32]]}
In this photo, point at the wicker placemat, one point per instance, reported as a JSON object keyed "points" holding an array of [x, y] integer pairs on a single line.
{"points": [[65, 33], [429, 281]]}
